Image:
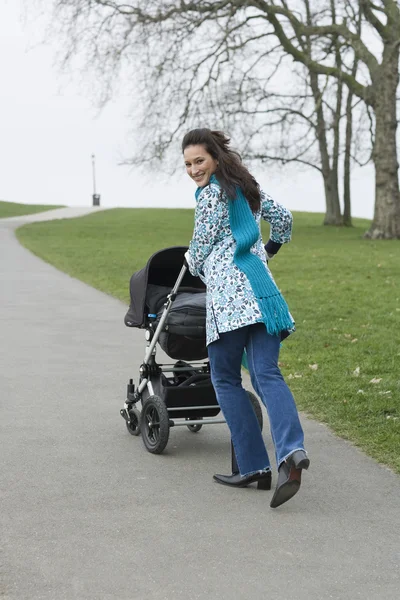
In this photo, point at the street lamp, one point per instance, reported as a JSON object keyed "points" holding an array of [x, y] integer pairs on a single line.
{"points": [[95, 196]]}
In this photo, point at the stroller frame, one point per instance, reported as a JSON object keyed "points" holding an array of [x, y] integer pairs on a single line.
{"points": [[150, 368], [149, 358], [156, 419]]}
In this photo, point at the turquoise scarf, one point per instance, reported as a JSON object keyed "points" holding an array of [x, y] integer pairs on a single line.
{"points": [[272, 305]]}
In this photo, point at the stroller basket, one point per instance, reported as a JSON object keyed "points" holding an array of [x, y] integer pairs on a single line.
{"points": [[200, 387]]}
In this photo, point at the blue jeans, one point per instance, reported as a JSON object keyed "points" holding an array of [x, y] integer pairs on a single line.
{"points": [[225, 356]]}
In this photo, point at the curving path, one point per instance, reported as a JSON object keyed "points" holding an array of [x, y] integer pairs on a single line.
{"points": [[88, 514]]}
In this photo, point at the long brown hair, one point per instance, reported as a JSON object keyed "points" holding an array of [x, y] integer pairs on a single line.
{"points": [[231, 171]]}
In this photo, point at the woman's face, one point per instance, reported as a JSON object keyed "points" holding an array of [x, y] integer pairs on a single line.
{"points": [[199, 164]]}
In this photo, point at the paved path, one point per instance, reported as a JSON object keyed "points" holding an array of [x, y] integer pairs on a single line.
{"points": [[88, 514]]}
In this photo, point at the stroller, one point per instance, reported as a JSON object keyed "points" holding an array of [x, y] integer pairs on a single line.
{"points": [[170, 304]]}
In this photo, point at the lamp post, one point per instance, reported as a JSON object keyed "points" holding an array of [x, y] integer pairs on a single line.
{"points": [[95, 196]]}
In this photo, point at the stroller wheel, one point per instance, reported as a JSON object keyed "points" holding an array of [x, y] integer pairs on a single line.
{"points": [[257, 408], [194, 428], [154, 424], [134, 425]]}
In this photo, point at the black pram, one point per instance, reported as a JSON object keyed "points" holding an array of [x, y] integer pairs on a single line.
{"points": [[170, 304]]}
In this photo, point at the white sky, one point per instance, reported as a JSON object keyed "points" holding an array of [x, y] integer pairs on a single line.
{"points": [[49, 130]]}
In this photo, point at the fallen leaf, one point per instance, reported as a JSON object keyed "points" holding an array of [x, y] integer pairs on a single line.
{"points": [[290, 376], [360, 392], [298, 375], [376, 380], [347, 335], [356, 372], [384, 393], [313, 367], [355, 340]]}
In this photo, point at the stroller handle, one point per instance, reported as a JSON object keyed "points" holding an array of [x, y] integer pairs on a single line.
{"points": [[180, 277], [160, 326]]}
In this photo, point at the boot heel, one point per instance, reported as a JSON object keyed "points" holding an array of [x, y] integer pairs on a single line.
{"points": [[299, 460], [265, 482]]}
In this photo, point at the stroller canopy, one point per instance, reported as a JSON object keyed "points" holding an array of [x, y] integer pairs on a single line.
{"points": [[150, 285]]}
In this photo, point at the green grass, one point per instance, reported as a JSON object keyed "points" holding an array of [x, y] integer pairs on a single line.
{"points": [[343, 291], [13, 209]]}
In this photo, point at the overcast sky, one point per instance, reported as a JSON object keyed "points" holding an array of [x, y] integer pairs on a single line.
{"points": [[49, 130]]}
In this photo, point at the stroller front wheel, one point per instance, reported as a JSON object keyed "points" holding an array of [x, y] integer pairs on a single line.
{"points": [[134, 422], [154, 424], [194, 428]]}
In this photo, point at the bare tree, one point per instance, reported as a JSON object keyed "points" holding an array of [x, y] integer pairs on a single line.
{"points": [[378, 92], [307, 130], [356, 17], [221, 54], [329, 166]]}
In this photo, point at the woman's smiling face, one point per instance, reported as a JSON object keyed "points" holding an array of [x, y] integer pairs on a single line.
{"points": [[200, 165]]}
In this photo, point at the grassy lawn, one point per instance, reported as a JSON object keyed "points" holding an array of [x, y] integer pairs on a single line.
{"points": [[13, 209], [343, 363]]}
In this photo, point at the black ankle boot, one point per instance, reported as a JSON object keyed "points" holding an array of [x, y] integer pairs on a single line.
{"points": [[289, 477], [236, 480]]}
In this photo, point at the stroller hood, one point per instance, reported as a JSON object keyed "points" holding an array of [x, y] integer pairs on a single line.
{"points": [[161, 271]]}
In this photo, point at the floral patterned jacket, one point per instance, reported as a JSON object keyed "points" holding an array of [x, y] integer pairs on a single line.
{"points": [[230, 299]]}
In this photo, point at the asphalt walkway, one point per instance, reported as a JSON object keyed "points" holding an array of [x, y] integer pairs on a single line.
{"points": [[88, 514]]}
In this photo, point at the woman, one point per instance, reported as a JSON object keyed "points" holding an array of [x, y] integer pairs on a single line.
{"points": [[245, 310]]}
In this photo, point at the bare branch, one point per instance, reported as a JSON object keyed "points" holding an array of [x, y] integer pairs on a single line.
{"points": [[368, 8], [284, 160], [272, 11], [302, 29]]}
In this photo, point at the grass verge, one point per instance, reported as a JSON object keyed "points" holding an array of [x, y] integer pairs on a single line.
{"points": [[342, 364], [13, 209]]}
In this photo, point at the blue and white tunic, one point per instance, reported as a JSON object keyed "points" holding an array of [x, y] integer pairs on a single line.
{"points": [[231, 302]]}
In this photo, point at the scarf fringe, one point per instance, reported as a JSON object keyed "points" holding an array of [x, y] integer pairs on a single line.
{"points": [[276, 315]]}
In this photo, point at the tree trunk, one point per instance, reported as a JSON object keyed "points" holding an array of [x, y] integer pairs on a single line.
{"points": [[332, 203], [335, 217], [336, 129], [347, 162], [332, 212], [386, 222], [348, 138]]}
